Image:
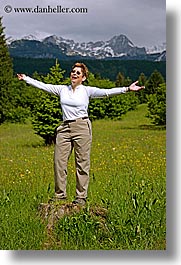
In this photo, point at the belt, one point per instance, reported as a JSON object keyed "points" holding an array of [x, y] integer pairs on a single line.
{"points": [[69, 121]]}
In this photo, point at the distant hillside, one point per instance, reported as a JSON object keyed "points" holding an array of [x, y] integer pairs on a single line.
{"points": [[106, 68]]}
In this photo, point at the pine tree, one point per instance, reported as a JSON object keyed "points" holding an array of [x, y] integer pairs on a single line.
{"points": [[47, 112], [6, 75], [142, 82], [120, 80], [151, 85], [153, 82], [157, 106]]}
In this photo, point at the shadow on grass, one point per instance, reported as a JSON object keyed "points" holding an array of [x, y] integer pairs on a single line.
{"points": [[145, 127], [35, 145], [152, 127]]}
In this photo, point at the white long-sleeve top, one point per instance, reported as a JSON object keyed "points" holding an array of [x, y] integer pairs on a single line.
{"points": [[74, 103]]}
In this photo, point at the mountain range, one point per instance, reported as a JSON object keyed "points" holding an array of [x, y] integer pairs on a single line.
{"points": [[118, 47]]}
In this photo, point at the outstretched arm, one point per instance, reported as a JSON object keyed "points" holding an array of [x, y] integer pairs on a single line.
{"points": [[54, 89], [96, 92]]}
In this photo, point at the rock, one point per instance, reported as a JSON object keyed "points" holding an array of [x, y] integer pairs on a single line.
{"points": [[53, 212]]}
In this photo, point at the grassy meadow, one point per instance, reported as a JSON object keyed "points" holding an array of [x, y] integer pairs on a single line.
{"points": [[127, 178]]}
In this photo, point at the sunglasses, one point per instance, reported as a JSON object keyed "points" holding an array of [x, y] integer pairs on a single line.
{"points": [[76, 72]]}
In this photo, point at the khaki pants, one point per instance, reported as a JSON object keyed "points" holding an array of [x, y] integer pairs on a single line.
{"points": [[77, 135]]}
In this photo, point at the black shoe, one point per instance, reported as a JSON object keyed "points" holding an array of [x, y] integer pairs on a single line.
{"points": [[79, 201]]}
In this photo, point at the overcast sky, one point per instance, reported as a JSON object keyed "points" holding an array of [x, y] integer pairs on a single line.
{"points": [[142, 21]]}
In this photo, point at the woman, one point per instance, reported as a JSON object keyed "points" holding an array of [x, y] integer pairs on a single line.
{"points": [[75, 131]]}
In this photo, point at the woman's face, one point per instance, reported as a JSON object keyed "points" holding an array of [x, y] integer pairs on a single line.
{"points": [[76, 76]]}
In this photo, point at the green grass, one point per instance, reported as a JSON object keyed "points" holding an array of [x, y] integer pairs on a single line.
{"points": [[128, 178]]}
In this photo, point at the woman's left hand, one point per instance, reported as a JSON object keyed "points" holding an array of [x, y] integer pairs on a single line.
{"points": [[134, 87]]}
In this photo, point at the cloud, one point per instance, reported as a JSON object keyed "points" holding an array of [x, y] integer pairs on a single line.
{"points": [[143, 21]]}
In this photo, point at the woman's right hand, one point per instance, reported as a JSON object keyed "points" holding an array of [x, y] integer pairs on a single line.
{"points": [[21, 76]]}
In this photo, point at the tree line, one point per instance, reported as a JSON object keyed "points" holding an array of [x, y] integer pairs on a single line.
{"points": [[104, 68]]}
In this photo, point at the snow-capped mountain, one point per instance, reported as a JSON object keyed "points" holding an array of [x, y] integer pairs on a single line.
{"points": [[161, 57], [156, 49], [30, 37], [57, 47], [9, 40]]}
